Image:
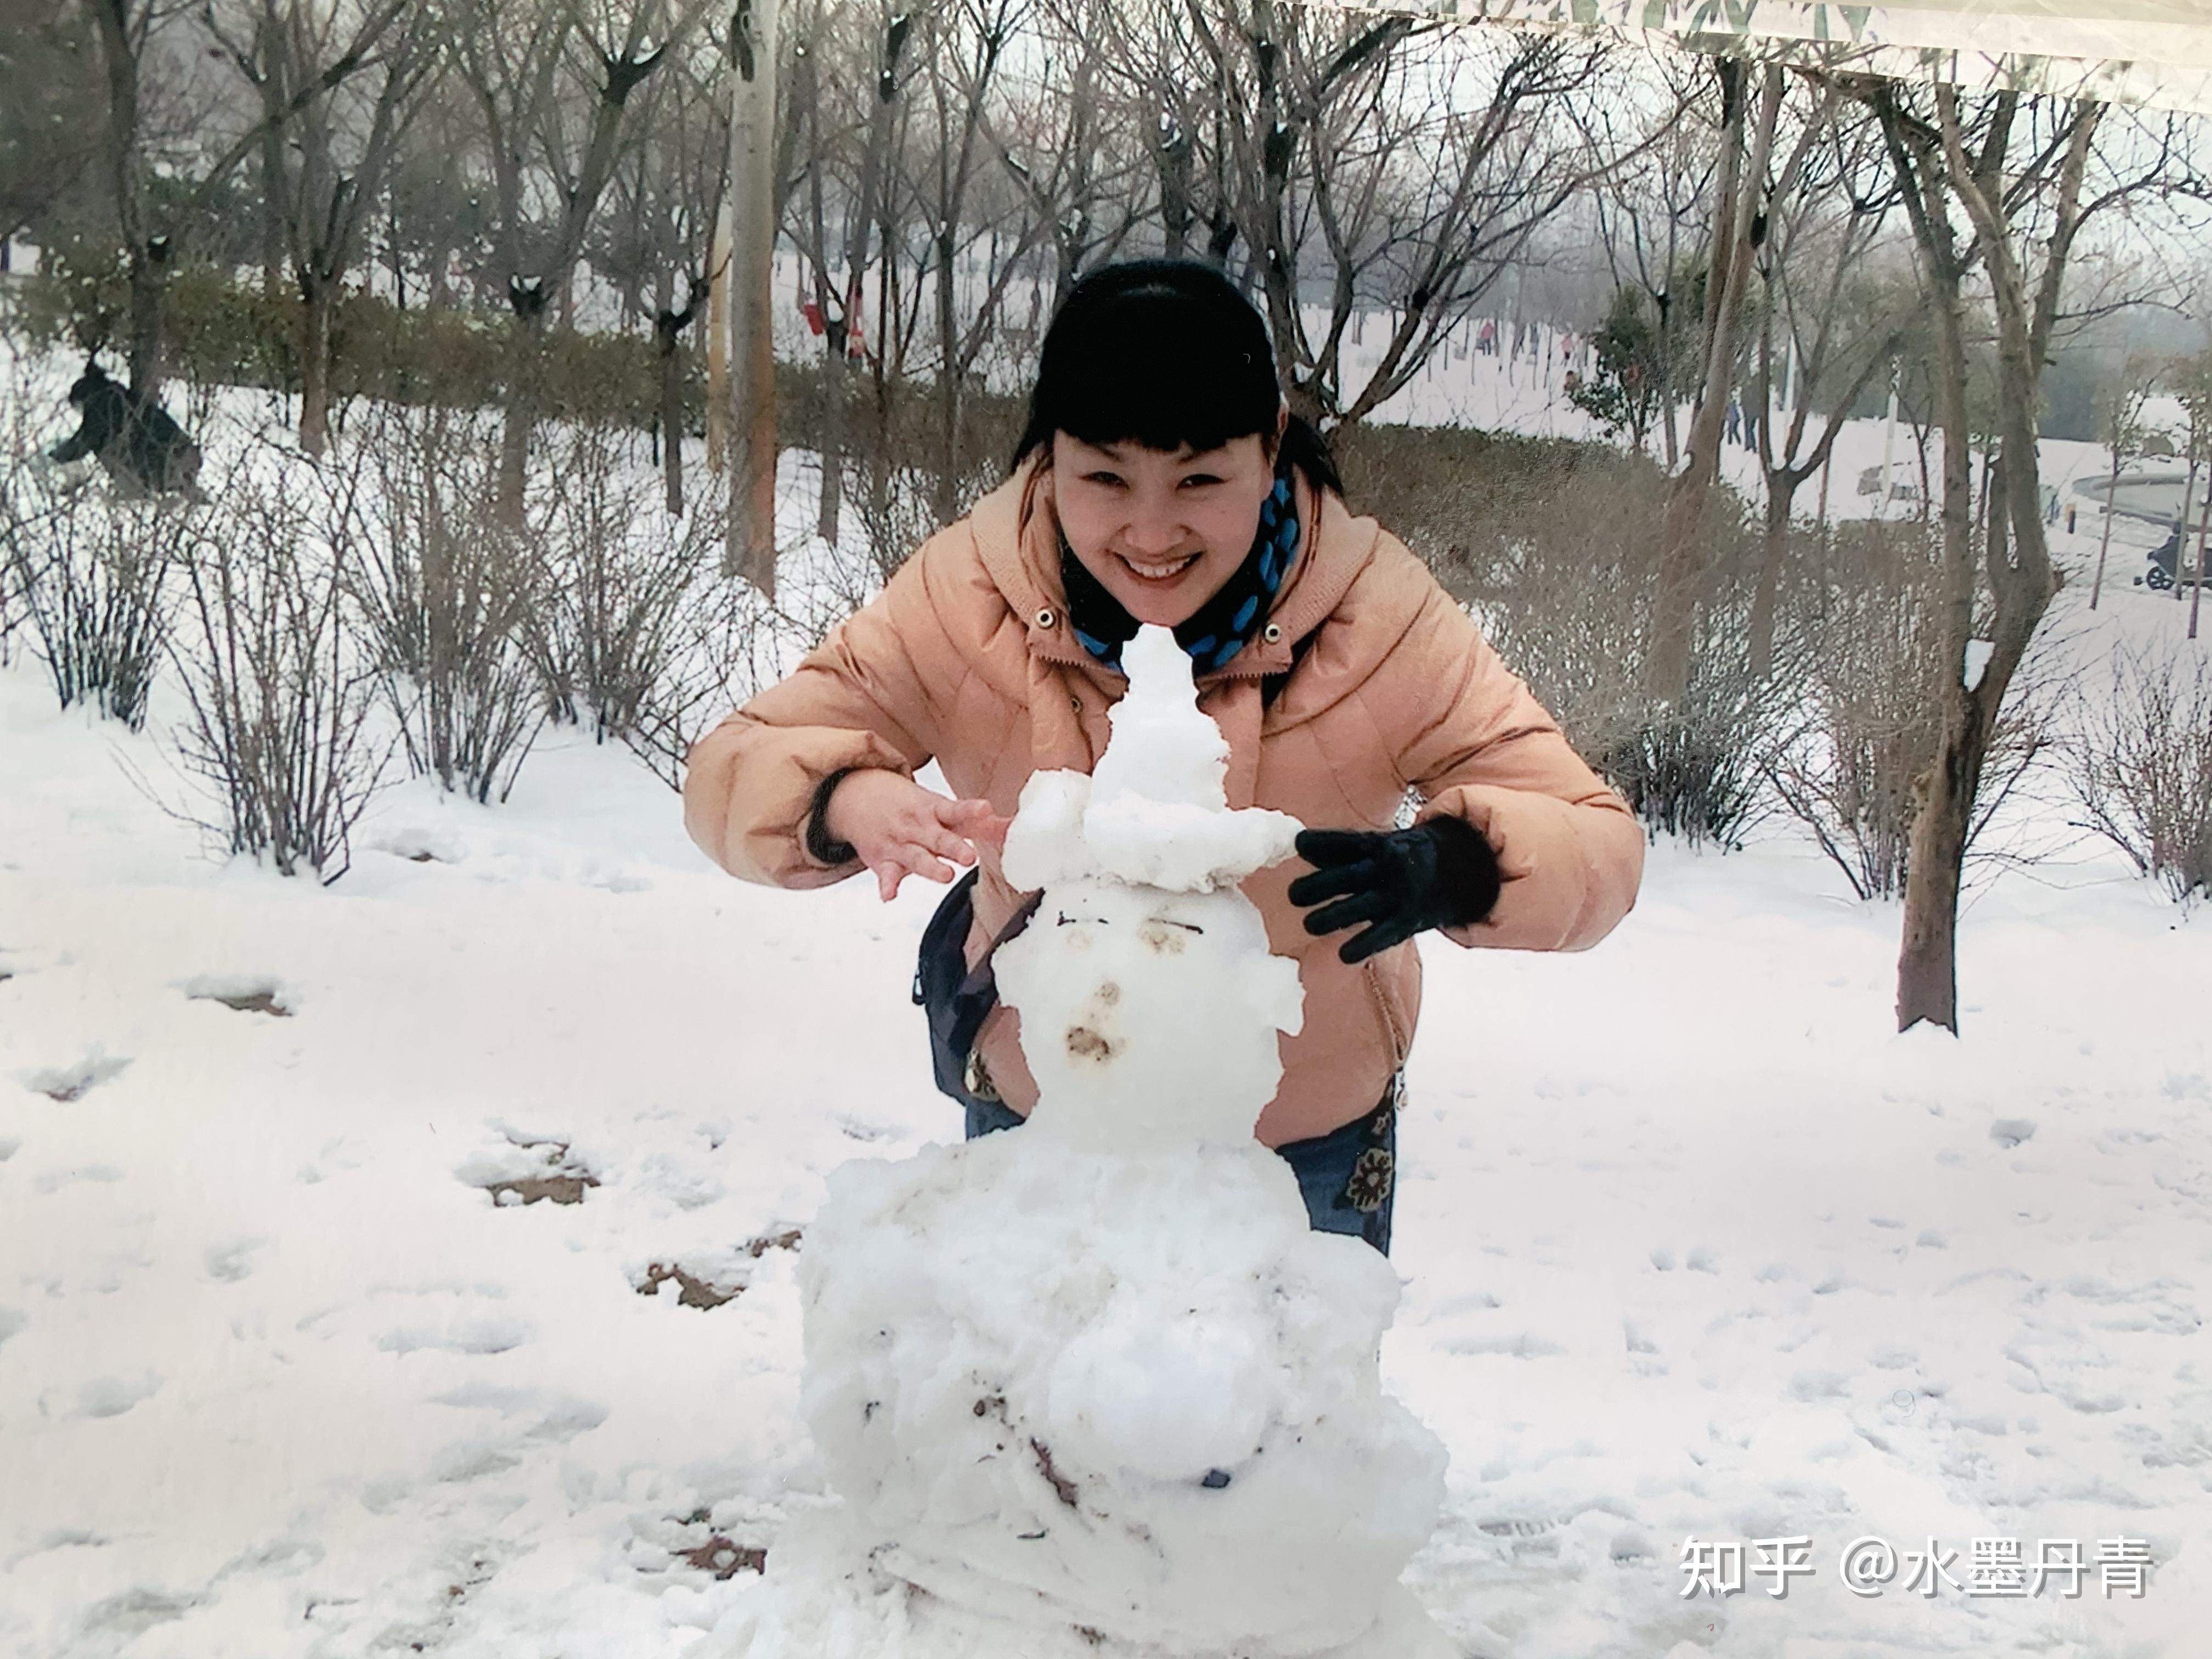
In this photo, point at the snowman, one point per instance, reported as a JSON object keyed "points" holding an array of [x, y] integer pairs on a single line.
{"points": [[1095, 1386]]}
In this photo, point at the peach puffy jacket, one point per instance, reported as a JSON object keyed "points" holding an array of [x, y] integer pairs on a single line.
{"points": [[966, 656]]}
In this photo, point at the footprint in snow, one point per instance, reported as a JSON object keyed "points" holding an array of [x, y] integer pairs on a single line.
{"points": [[232, 1261], [2010, 1132], [66, 1084], [245, 995], [120, 1618], [100, 1396], [476, 1333]]}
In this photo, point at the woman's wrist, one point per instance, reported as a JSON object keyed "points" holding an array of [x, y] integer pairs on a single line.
{"points": [[821, 843]]}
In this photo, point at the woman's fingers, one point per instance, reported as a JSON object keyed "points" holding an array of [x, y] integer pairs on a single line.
{"points": [[932, 840], [976, 821]]}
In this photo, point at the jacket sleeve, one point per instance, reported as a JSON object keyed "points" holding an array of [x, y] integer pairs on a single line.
{"points": [[1569, 851], [857, 701]]}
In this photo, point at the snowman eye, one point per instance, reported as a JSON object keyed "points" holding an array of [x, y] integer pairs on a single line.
{"points": [[1187, 927], [1066, 921]]}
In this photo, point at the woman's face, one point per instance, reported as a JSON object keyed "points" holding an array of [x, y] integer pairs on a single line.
{"points": [[1162, 533]]}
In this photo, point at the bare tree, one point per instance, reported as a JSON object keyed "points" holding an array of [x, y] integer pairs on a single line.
{"points": [[1838, 329], [2189, 378], [963, 58], [1645, 214], [343, 138], [2120, 423], [1411, 165], [552, 81], [1999, 191], [151, 222], [668, 188], [1746, 186], [47, 147]]}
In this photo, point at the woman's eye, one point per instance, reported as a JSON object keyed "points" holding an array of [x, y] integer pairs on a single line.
{"points": [[1102, 478], [1201, 479]]}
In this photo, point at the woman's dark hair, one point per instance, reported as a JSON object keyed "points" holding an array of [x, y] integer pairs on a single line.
{"points": [[1163, 352]]}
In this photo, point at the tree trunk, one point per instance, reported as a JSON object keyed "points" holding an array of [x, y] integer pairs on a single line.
{"points": [[2017, 559], [749, 550], [2204, 527], [1736, 211], [1927, 966], [150, 282], [2105, 542], [525, 368], [1927, 962], [1774, 543], [667, 339], [316, 296], [860, 214], [947, 495], [835, 372]]}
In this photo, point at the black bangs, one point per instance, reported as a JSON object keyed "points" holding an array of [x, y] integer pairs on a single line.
{"points": [[1163, 352]]}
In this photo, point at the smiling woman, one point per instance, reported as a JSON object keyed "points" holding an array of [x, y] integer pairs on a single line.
{"points": [[1161, 479]]}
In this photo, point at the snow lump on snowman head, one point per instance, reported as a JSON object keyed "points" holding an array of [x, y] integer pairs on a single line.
{"points": [[1148, 1000]]}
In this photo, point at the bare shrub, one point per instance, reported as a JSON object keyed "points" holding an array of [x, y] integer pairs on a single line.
{"points": [[90, 573], [446, 592], [727, 642], [617, 573], [1868, 600], [280, 700], [2139, 764], [896, 516], [1868, 723], [1567, 599]]}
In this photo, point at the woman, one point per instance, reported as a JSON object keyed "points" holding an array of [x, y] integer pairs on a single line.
{"points": [[1161, 480]]}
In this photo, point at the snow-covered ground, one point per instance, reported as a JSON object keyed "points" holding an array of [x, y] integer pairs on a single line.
{"points": [[1693, 1245]]}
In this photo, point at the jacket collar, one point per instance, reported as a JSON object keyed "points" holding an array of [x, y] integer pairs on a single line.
{"points": [[1018, 541]]}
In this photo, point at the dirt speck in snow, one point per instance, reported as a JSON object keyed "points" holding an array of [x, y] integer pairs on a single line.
{"points": [[1086, 1044]]}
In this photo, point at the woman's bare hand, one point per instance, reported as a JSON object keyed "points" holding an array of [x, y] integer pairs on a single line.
{"points": [[900, 829]]}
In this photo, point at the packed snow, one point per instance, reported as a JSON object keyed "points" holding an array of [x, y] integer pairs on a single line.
{"points": [[1096, 1384], [412, 1265]]}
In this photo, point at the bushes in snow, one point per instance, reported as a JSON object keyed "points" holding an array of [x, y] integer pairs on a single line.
{"points": [[279, 699], [1566, 592], [2139, 766], [92, 577], [444, 592]]}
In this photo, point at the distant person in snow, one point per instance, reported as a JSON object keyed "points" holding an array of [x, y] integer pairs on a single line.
{"points": [[1162, 479], [132, 437]]}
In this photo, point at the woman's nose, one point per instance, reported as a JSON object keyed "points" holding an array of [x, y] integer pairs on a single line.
{"points": [[1154, 525]]}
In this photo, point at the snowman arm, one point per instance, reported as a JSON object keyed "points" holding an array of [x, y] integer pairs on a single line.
{"points": [[1479, 746], [858, 700]]}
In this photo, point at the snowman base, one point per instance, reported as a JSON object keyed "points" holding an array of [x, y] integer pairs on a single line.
{"points": [[828, 1596], [1083, 1402]]}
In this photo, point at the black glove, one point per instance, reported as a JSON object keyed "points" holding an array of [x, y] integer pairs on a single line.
{"points": [[1440, 873]]}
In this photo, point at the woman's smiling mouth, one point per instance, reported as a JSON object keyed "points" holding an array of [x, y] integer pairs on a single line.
{"points": [[1162, 572]]}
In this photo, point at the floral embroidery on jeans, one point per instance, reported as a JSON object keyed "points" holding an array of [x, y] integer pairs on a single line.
{"points": [[1367, 1187], [1371, 1179]]}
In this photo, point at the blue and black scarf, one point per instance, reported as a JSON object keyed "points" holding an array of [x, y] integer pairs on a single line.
{"points": [[1220, 627]]}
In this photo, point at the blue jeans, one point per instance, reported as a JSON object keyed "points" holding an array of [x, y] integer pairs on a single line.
{"points": [[1348, 1176]]}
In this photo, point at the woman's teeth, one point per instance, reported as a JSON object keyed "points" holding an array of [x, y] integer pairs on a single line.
{"points": [[1159, 572]]}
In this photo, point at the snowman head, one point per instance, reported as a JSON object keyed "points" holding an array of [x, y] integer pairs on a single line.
{"points": [[1150, 1004]]}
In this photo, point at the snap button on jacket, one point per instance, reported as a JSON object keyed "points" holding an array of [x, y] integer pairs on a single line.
{"points": [[1385, 687]]}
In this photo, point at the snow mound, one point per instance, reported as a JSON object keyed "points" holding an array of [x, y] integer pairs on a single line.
{"points": [[1094, 1384]]}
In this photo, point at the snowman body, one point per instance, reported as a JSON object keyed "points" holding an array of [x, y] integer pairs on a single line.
{"points": [[1098, 1379]]}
